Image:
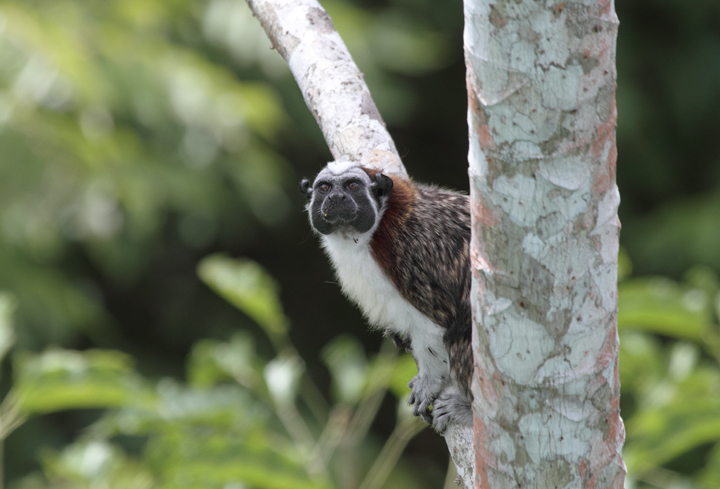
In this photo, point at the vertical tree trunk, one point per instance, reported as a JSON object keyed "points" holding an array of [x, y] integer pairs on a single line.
{"points": [[541, 94]]}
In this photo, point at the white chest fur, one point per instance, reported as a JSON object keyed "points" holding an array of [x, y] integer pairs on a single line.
{"points": [[364, 282]]}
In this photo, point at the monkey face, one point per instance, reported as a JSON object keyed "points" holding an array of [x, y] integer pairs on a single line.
{"points": [[345, 198]]}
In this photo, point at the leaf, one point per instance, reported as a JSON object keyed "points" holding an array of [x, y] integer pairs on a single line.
{"points": [[282, 376], [677, 400], [659, 305], [709, 477], [641, 359], [403, 370], [195, 459], [348, 366], [624, 265], [97, 463], [62, 379], [222, 406], [247, 286], [661, 435], [213, 361], [226, 408]]}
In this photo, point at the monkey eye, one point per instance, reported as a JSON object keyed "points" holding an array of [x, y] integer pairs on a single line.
{"points": [[353, 185], [324, 187]]}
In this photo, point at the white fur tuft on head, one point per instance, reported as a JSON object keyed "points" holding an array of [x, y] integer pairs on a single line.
{"points": [[339, 167], [345, 168]]}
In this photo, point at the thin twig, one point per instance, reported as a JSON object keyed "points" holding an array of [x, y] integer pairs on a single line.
{"points": [[391, 452], [368, 408], [331, 436]]}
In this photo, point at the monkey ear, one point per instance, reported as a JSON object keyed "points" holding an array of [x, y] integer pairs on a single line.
{"points": [[305, 188], [382, 184]]}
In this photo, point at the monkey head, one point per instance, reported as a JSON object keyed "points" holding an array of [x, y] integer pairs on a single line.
{"points": [[345, 197]]}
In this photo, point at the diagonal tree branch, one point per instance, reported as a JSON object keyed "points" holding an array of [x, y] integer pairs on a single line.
{"points": [[331, 83]]}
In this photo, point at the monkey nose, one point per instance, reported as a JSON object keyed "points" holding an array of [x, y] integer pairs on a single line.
{"points": [[338, 208]]}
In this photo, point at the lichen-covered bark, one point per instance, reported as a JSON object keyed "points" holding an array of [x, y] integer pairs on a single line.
{"points": [[332, 85], [541, 115]]}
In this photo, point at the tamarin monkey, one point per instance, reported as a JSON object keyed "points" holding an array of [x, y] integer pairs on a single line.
{"points": [[401, 252]]}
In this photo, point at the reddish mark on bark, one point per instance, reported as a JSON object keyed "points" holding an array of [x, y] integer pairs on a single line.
{"points": [[585, 471], [486, 139], [616, 428], [496, 18], [605, 178], [608, 352], [483, 214], [478, 120], [606, 6], [608, 451], [619, 479], [486, 386], [605, 130], [559, 8], [483, 458]]}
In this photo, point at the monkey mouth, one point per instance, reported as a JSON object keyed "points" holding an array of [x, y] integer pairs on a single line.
{"points": [[339, 214], [338, 219]]}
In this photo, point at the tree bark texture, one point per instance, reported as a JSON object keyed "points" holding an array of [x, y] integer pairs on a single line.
{"points": [[331, 83], [541, 115], [336, 94]]}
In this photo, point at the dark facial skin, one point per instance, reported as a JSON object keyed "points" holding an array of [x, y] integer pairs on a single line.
{"points": [[342, 206], [346, 204]]}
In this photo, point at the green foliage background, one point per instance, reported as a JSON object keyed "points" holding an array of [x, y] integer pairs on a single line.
{"points": [[166, 318]]}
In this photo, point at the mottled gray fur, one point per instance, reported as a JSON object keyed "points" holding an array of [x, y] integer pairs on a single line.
{"points": [[401, 252]]}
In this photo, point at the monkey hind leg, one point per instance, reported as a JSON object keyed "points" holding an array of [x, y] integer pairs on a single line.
{"points": [[424, 392], [452, 406]]}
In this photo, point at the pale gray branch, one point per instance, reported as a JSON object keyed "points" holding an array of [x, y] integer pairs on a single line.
{"points": [[331, 83]]}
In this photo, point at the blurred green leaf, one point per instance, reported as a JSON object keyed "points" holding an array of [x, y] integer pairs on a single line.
{"points": [[624, 265], [247, 286], [703, 278], [212, 361], [226, 408], [661, 435], [662, 306], [675, 390], [282, 376], [96, 463], [194, 459], [345, 357], [404, 369], [642, 360], [709, 477], [62, 379], [210, 438]]}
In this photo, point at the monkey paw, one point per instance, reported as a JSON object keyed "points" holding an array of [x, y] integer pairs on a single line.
{"points": [[425, 390], [451, 407]]}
